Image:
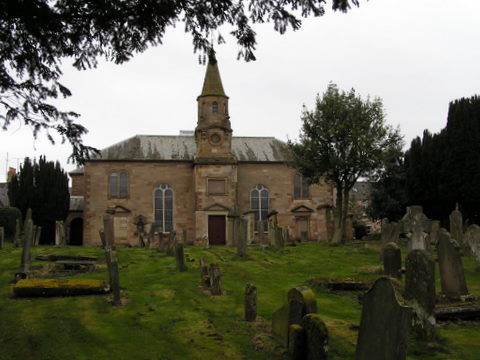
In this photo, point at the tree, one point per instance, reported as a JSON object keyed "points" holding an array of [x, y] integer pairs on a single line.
{"points": [[43, 187], [444, 169], [342, 139], [389, 197], [35, 35]]}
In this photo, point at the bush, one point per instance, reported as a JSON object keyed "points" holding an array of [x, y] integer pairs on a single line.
{"points": [[8, 217]]}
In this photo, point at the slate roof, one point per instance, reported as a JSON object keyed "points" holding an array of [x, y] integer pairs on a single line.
{"points": [[163, 147]]}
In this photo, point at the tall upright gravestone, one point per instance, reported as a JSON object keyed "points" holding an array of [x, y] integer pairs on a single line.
{"points": [[384, 324], [472, 238], [452, 277], [456, 225], [420, 291], [392, 260]]}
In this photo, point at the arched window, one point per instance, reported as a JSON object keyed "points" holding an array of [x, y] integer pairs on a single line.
{"points": [[214, 107], [163, 207], [259, 203], [118, 185], [300, 187]]}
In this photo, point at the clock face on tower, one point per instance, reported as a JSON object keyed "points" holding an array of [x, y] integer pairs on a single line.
{"points": [[215, 139]]}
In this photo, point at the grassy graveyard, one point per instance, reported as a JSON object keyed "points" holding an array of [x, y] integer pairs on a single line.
{"points": [[168, 315]]}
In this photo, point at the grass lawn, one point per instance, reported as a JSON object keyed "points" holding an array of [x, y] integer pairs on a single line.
{"points": [[167, 314]]}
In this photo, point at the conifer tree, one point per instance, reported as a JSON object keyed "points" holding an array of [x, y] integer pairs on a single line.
{"points": [[43, 187]]}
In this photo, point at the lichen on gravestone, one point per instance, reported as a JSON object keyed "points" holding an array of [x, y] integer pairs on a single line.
{"points": [[384, 325]]}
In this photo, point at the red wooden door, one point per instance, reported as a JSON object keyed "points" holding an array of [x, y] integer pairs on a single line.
{"points": [[216, 229]]}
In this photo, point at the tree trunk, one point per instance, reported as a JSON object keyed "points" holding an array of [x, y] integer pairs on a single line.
{"points": [[338, 228], [344, 215]]}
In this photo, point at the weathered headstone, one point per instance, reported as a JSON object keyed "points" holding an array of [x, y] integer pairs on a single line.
{"points": [[2, 237], [316, 335], [384, 227], [250, 302], [420, 291], [214, 277], [59, 233], [38, 234], [278, 237], [392, 260], [140, 222], [241, 237], [297, 342], [204, 272], [452, 277], [433, 236], [301, 301], [26, 251], [384, 324], [171, 241], [111, 258], [417, 235], [261, 232], [206, 242], [272, 223], [472, 238], [456, 225], [286, 235], [180, 257], [16, 236]]}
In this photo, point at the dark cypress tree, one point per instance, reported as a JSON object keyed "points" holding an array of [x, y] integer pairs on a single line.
{"points": [[43, 187]]}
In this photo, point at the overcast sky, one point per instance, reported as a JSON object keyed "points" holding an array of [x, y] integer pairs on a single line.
{"points": [[415, 55]]}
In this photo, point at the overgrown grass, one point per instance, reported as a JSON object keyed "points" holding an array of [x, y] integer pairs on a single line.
{"points": [[168, 315]]}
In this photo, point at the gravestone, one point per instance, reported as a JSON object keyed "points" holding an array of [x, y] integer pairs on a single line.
{"points": [[140, 222], [250, 302], [2, 237], [214, 277], [472, 238], [59, 233], [392, 260], [278, 237], [110, 256], [231, 230], [180, 257], [16, 236], [261, 232], [241, 237], [286, 235], [170, 245], [417, 235], [384, 325], [301, 301], [383, 230], [250, 216], [456, 225], [206, 242], [452, 277], [420, 291], [297, 342], [204, 277], [26, 252], [38, 234], [316, 337], [433, 238], [272, 224]]}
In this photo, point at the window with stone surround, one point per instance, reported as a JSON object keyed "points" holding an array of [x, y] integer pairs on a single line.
{"points": [[259, 204], [214, 107], [118, 185], [300, 187], [163, 207], [217, 186]]}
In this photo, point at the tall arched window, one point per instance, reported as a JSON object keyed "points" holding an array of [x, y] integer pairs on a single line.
{"points": [[259, 203], [300, 187], [163, 207], [214, 107], [118, 184]]}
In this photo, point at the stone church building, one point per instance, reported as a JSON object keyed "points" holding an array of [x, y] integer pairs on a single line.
{"points": [[196, 181]]}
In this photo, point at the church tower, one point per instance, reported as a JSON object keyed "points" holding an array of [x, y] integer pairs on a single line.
{"points": [[215, 166], [213, 134]]}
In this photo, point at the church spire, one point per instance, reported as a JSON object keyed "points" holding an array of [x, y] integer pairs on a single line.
{"points": [[212, 85]]}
